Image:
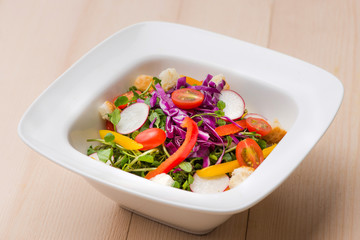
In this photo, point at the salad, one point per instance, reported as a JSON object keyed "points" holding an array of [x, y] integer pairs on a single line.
{"points": [[184, 133]]}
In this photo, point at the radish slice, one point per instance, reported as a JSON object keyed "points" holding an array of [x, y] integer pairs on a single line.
{"points": [[209, 185], [254, 115], [234, 104], [132, 118]]}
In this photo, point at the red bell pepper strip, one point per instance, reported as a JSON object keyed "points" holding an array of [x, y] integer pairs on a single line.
{"points": [[230, 128], [183, 151]]}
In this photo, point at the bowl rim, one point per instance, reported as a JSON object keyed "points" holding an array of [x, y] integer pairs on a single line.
{"points": [[294, 76]]}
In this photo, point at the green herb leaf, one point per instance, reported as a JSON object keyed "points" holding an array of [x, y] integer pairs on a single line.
{"points": [[115, 117], [221, 105], [199, 123], [198, 166], [229, 141], [105, 154], [90, 151], [227, 157], [219, 113], [147, 101], [154, 116], [190, 179], [213, 157], [134, 134], [261, 143], [176, 184], [185, 185], [156, 80], [156, 163], [132, 88], [124, 161], [146, 158], [220, 122], [186, 166], [109, 137], [121, 100]]}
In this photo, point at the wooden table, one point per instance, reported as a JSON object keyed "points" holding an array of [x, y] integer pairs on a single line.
{"points": [[39, 40]]}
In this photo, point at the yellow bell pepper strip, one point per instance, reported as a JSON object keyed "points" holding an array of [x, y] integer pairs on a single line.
{"points": [[192, 81], [182, 152], [122, 140], [218, 169], [268, 150]]}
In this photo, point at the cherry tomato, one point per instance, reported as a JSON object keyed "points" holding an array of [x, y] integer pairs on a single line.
{"points": [[248, 153], [109, 125], [151, 138], [187, 98], [129, 95], [258, 125]]}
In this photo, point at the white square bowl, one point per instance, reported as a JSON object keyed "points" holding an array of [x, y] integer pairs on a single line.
{"points": [[304, 98]]}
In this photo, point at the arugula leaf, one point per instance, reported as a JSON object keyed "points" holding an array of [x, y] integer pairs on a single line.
{"points": [[221, 105], [121, 100], [186, 166], [105, 154], [109, 137]]}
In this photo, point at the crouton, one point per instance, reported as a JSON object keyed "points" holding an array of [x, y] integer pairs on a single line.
{"points": [[239, 175], [274, 136], [142, 82], [168, 78], [217, 79], [105, 109]]}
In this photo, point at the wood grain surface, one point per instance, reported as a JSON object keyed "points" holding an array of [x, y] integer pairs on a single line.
{"points": [[40, 39]]}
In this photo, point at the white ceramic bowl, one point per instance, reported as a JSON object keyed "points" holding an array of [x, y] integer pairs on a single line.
{"points": [[304, 98]]}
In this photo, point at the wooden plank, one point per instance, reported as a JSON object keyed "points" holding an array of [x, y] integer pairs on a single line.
{"points": [[40, 200], [142, 228], [320, 199]]}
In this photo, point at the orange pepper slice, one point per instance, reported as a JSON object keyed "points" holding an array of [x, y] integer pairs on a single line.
{"points": [[192, 81]]}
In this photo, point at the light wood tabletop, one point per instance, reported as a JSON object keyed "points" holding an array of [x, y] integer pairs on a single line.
{"points": [[40, 39]]}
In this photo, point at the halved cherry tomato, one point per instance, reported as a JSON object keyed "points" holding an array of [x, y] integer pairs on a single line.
{"points": [[109, 125], [151, 138], [129, 95], [258, 125], [187, 98], [248, 153]]}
